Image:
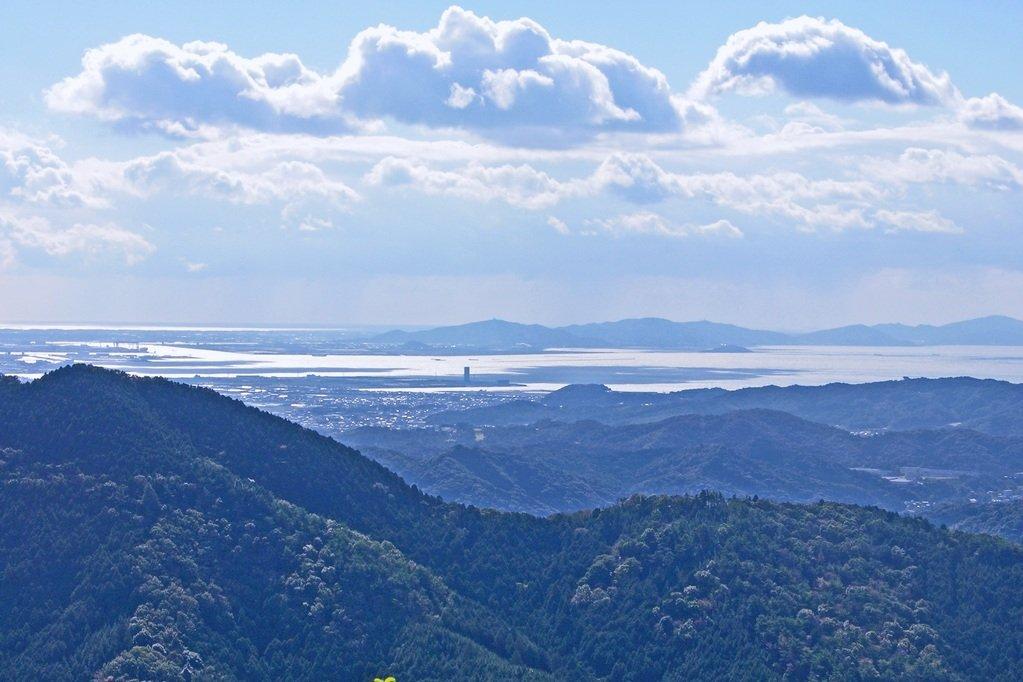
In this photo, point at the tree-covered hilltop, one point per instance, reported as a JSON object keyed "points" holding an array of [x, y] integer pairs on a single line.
{"points": [[126, 553], [1003, 518], [149, 530]]}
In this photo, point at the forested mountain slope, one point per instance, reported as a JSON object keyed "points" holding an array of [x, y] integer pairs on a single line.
{"points": [[154, 531], [125, 552]]}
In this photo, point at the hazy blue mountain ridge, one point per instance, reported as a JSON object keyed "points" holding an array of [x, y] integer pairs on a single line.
{"points": [[659, 333]]}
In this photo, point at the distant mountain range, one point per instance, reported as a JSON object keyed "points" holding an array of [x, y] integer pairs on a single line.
{"points": [[987, 405], [912, 444], [557, 466], [658, 333]]}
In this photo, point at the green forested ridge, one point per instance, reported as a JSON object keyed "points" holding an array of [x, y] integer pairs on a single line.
{"points": [[125, 552], [153, 531]]}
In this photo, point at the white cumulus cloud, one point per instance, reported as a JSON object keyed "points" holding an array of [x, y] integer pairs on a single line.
{"points": [[505, 79], [926, 166], [32, 172], [813, 57], [810, 203], [992, 112], [152, 84], [522, 185], [917, 221], [289, 181], [558, 225], [35, 232], [649, 223]]}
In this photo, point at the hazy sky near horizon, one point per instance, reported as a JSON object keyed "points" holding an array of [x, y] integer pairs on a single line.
{"points": [[804, 165]]}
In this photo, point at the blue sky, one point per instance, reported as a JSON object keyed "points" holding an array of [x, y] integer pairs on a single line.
{"points": [[411, 163]]}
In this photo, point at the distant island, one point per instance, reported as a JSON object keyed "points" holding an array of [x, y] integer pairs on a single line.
{"points": [[727, 348], [654, 333]]}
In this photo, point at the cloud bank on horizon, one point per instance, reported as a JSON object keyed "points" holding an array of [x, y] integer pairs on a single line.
{"points": [[806, 125]]}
